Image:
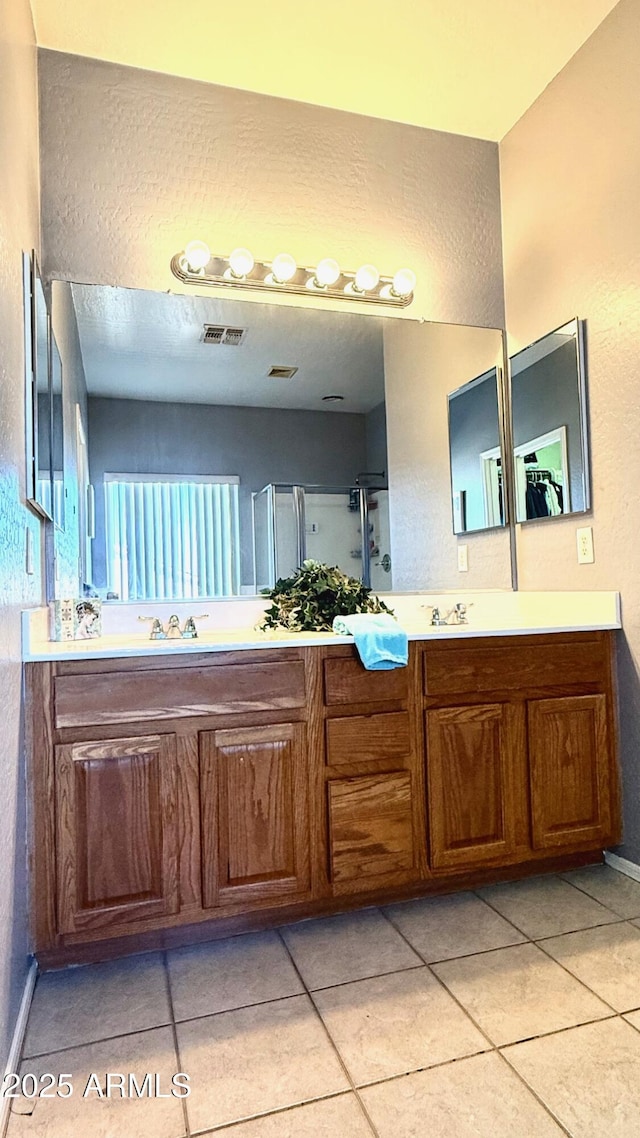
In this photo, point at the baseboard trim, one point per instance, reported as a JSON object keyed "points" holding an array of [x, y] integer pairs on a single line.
{"points": [[622, 865], [17, 1040]]}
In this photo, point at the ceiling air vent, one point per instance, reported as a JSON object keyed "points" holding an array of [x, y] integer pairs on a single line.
{"points": [[218, 334], [279, 371]]}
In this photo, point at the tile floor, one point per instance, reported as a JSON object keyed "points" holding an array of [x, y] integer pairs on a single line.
{"points": [[513, 1012]]}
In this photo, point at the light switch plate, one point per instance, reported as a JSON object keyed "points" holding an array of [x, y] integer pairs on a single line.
{"points": [[584, 538], [463, 558]]}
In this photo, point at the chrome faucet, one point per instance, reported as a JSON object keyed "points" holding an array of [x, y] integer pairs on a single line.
{"points": [[172, 631], [456, 615]]}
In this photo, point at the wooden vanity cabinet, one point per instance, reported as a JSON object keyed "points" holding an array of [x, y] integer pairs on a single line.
{"points": [[521, 763], [181, 799], [115, 832], [254, 804], [374, 776]]}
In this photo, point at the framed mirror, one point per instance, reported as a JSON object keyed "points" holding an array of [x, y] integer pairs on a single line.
{"points": [[550, 436], [38, 400], [475, 454], [223, 440]]}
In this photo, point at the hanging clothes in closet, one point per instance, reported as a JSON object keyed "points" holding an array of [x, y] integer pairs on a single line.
{"points": [[544, 494]]}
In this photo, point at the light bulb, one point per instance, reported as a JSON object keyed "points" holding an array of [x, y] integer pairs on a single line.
{"points": [[404, 282], [327, 272], [241, 262], [283, 268], [367, 278], [197, 255]]}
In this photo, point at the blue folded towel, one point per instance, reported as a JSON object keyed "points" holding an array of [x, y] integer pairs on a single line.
{"points": [[381, 642]]}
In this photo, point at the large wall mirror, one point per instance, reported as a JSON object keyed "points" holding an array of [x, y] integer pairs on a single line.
{"points": [[224, 440], [38, 406], [475, 453], [550, 440]]}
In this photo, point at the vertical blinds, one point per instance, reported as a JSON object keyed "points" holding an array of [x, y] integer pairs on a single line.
{"points": [[168, 538]]}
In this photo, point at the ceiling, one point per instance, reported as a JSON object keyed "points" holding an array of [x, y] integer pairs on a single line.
{"points": [[148, 345], [467, 66]]}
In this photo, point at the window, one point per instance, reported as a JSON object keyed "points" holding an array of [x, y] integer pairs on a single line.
{"points": [[171, 538]]}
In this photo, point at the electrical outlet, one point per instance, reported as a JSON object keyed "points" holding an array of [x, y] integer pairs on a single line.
{"points": [[584, 538], [463, 558]]}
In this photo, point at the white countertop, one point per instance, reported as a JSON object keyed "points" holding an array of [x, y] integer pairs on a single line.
{"points": [[490, 614]]}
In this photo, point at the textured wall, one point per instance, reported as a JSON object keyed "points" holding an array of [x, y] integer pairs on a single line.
{"points": [[18, 231], [258, 444], [571, 194], [136, 163], [421, 368]]}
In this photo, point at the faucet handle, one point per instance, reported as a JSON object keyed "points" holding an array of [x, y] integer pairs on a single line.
{"points": [[461, 610], [157, 631], [436, 618], [190, 632]]}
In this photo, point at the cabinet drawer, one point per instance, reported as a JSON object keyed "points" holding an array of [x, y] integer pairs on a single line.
{"points": [[112, 697], [368, 738], [347, 681], [493, 665], [371, 826]]}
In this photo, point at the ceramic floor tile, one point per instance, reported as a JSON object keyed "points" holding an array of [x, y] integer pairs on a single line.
{"points": [[514, 993], [589, 1077], [226, 974], [606, 959], [256, 1059], [618, 892], [82, 1005], [393, 1024], [633, 1018], [349, 947], [442, 928], [473, 1098], [147, 1052], [329, 1118], [546, 906]]}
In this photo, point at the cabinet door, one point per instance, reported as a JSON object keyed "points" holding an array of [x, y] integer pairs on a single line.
{"points": [[569, 757], [254, 802], [472, 754], [116, 832], [370, 831]]}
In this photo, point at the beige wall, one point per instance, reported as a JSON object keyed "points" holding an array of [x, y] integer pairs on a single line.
{"points": [[570, 174], [422, 365], [18, 231]]}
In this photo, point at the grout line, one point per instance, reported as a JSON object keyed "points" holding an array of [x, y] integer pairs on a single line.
{"points": [[333, 1045], [176, 1044], [493, 1047], [587, 929], [224, 1126], [583, 983], [591, 897], [373, 976], [93, 1042], [240, 1007], [534, 1094], [597, 925]]}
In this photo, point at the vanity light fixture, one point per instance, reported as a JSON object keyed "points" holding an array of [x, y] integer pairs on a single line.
{"points": [[197, 265]]}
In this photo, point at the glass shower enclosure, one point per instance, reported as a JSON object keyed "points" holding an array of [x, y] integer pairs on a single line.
{"points": [[337, 525]]}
